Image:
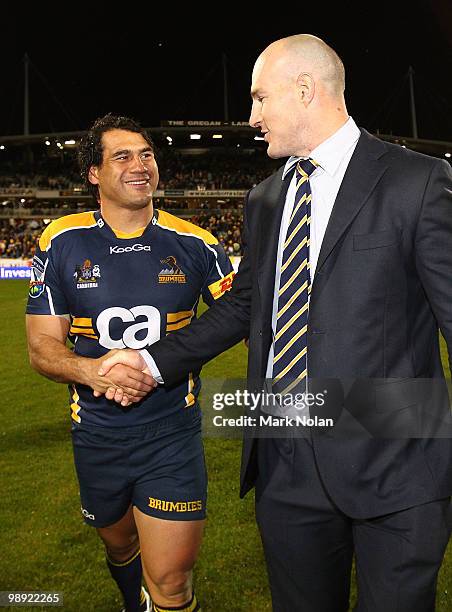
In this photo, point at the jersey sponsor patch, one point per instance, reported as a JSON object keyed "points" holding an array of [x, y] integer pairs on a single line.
{"points": [[37, 285], [87, 275], [221, 286], [173, 273], [36, 288], [144, 331], [135, 248]]}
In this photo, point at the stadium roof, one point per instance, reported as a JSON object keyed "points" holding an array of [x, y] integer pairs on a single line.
{"points": [[90, 62]]}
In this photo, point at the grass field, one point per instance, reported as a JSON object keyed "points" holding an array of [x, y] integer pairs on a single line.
{"points": [[45, 545]]}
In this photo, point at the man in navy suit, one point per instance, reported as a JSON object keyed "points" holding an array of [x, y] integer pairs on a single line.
{"points": [[369, 285]]}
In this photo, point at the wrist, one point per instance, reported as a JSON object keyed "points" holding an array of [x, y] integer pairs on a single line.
{"points": [[82, 368]]}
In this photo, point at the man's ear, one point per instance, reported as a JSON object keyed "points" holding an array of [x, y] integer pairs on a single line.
{"points": [[306, 87], [93, 175]]}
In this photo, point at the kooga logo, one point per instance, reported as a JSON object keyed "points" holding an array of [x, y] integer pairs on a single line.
{"points": [[135, 248]]}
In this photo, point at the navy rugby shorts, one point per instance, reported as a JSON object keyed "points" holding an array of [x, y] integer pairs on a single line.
{"points": [[159, 468]]}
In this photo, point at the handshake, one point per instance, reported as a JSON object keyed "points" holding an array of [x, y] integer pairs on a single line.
{"points": [[121, 375]]}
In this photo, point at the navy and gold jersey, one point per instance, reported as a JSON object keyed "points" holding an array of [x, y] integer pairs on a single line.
{"points": [[126, 291]]}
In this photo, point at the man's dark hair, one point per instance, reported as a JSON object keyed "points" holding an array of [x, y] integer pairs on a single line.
{"points": [[90, 151]]}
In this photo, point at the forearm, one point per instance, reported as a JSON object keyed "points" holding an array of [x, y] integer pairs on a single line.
{"points": [[53, 359], [56, 361]]}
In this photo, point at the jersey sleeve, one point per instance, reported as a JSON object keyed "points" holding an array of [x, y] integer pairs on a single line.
{"points": [[45, 296], [220, 275]]}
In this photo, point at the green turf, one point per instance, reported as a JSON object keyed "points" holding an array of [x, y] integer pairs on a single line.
{"points": [[45, 545]]}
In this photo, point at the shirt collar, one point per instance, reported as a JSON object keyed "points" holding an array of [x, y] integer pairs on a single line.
{"points": [[331, 151]]}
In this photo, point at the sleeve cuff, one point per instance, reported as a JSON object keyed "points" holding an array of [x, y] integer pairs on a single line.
{"points": [[152, 366]]}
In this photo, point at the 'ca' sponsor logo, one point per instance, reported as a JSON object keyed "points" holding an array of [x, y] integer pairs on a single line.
{"points": [[144, 328], [135, 248]]}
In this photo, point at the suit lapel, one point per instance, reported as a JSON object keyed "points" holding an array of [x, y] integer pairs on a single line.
{"points": [[363, 173]]}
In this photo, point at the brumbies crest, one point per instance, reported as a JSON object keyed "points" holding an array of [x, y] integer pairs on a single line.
{"points": [[172, 272], [87, 275]]}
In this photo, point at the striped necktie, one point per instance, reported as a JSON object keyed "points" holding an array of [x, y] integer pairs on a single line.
{"points": [[290, 342]]}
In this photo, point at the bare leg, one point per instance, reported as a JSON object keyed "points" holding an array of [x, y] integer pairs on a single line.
{"points": [[168, 553], [120, 539]]}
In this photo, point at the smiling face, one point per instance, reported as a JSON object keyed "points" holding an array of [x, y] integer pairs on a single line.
{"points": [[128, 174]]}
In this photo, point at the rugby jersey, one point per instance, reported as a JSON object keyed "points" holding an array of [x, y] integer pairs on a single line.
{"points": [[126, 291]]}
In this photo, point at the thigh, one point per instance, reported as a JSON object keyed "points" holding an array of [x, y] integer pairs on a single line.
{"points": [[121, 538], [168, 548], [398, 557], [100, 458], [307, 540], [170, 479]]}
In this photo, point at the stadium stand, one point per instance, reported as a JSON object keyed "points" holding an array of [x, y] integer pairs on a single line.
{"points": [[205, 184], [18, 237], [207, 189]]}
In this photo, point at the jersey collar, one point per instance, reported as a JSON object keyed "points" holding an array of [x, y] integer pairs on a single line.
{"points": [[108, 231]]}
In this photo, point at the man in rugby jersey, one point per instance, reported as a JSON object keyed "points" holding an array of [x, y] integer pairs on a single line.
{"points": [[122, 277]]}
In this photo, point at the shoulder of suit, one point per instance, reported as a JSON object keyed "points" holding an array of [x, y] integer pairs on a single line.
{"points": [[276, 176], [406, 155], [184, 228], [65, 224]]}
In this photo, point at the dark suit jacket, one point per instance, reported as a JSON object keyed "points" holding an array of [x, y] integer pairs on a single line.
{"points": [[383, 286]]}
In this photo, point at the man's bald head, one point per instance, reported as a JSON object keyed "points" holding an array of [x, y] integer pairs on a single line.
{"points": [[304, 53], [297, 90]]}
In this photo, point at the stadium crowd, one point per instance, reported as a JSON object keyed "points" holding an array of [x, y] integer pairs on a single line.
{"points": [[18, 236], [192, 179], [212, 171], [13, 182], [209, 171], [227, 228], [177, 171]]}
